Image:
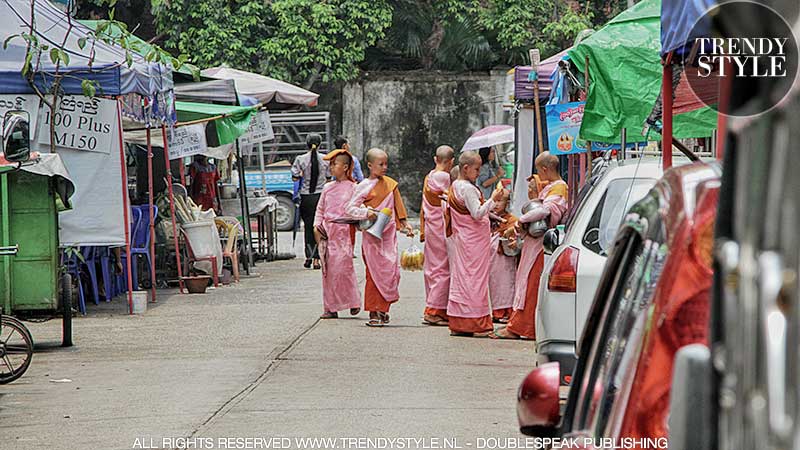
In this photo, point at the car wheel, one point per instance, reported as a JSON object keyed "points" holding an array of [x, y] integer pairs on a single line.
{"points": [[285, 214]]}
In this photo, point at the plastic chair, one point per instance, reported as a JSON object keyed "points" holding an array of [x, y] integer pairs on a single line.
{"points": [[192, 259], [231, 227], [140, 243]]}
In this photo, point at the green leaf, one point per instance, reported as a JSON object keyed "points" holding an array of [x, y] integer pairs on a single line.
{"points": [[54, 55], [82, 42], [88, 88], [64, 56]]}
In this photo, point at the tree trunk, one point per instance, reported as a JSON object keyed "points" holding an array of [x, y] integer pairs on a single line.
{"points": [[432, 44], [313, 77]]}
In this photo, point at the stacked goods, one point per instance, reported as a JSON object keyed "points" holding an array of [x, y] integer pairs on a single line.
{"points": [[412, 259]]}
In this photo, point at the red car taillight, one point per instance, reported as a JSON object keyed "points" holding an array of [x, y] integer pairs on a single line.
{"points": [[564, 275]]}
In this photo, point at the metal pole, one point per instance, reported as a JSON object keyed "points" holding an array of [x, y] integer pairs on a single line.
{"points": [[5, 210], [623, 144], [245, 209], [152, 248], [125, 207], [261, 165], [666, 95], [172, 207], [588, 173]]}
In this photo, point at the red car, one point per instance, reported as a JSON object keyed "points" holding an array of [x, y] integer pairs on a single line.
{"points": [[653, 298]]}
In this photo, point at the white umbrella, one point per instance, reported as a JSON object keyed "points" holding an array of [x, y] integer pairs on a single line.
{"points": [[489, 136], [265, 89]]}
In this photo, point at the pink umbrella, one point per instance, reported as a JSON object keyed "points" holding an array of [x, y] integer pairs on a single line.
{"points": [[489, 136]]}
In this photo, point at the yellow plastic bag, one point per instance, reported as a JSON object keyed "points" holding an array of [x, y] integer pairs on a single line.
{"points": [[412, 259]]}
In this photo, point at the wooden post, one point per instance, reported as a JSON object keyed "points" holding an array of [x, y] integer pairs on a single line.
{"points": [[535, 59]]}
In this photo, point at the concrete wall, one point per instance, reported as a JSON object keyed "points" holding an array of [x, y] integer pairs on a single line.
{"points": [[409, 114]]}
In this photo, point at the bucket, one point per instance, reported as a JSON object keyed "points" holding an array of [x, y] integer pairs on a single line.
{"points": [[139, 302], [204, 239]]}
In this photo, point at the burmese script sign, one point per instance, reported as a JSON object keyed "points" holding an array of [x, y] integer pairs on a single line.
{"points": [[187, 141], [260, 130], [81, 123]]}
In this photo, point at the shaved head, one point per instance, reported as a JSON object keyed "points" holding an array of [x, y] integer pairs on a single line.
{"points": [[469, 158], [445, 153], [375, 154], [546, 159]]}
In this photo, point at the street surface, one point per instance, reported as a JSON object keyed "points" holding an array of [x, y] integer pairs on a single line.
{"points": [[253, 360]]}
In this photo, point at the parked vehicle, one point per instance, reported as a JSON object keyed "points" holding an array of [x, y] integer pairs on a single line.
{"points": [[651, 299], [276, 181], [572, 271]]}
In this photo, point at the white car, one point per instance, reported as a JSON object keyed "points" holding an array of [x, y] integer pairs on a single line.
{"points": [[572, 270]]}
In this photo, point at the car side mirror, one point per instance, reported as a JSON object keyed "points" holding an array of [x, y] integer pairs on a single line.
{"points": [[690, 399], [538, 406], [551, 240], [16, 136]]}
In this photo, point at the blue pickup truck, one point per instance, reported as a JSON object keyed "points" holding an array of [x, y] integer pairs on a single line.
{"points": [[278, 183]]}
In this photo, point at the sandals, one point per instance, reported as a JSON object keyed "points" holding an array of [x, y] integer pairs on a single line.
{"points": [[377, 319], [329, 315], [307, 264], [434, 321], [317, 264], [504, 333], [374, 323], [355, 311], [481, 334]]}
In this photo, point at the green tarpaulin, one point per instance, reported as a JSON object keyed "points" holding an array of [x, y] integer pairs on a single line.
{"points": [[625, 78], [234, 121]]}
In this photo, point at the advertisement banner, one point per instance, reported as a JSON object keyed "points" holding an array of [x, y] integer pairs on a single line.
{"points": [[187, 141], [260, 130], [563, 126], [81, 123]]}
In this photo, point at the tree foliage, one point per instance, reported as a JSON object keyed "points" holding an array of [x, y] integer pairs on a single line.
{"points": [[303, 41], [295, 40]]}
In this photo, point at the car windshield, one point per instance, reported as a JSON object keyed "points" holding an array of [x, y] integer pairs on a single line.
{"points": [[620, 195]]}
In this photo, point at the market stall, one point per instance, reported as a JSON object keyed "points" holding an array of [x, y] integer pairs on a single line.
{"points": [[87, 130], [623, 64]]}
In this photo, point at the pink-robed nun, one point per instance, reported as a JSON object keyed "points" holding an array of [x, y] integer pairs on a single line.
{"points": [[335, 239], [374, 194], [432, 233], [554, 205], [469, 232], [504, 268]]}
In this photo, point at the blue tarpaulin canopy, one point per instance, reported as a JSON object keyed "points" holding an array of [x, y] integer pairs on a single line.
{"points": [[678, 19], [108, 68]]}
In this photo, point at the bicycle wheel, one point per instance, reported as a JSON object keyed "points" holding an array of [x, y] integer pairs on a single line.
{"points": [[16, 349]]}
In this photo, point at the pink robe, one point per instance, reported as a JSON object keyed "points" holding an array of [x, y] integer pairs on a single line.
{"points": [[437, 265], [380, 256], [470, 261], [502, 279], [554, 206], [339, 284]]}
